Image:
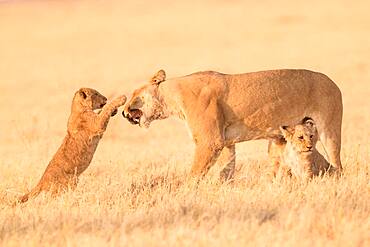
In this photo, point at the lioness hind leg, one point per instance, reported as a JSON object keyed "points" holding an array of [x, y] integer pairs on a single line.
{"points": [[227, 158], [331, 140]]}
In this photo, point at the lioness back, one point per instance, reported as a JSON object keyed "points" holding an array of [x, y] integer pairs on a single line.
{"points": [[271, 95]]}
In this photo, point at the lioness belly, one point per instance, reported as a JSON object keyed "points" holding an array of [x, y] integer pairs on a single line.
{"points": [[240, 132]]}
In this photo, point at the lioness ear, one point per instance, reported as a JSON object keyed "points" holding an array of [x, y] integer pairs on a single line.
{"points": [[82, 93], [159, 77], [308, 122], [286, 131]]}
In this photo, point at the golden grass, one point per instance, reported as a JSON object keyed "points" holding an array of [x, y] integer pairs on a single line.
{"points": [[135, 192]]}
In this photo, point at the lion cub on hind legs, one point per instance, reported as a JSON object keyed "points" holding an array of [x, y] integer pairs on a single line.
{"points": [[85, 129], [296, 152]]}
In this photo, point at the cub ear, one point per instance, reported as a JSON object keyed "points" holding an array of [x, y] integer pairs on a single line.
{"points": [[159, 77], [286, 131], [308, 122], [82, 93]]}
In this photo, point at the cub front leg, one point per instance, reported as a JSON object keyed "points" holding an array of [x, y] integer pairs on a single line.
{"points": [[275, 151], [108, 110]]}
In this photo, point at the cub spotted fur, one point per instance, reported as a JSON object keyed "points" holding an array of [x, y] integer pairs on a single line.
{"points": [[222, 110], [85, 129], [296, 152]]}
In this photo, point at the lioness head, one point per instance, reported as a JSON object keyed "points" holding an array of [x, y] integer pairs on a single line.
{"points": [[302, 137], [144, 105], [88, 98]]}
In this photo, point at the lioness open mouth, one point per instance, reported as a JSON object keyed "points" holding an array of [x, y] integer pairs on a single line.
{"points": [[134, 116]]}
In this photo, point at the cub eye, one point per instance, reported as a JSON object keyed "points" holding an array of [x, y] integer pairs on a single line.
{"points": [[300, 137], [311, 136]]}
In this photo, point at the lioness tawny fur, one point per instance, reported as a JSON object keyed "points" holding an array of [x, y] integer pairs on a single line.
{"points": [[222, 110]]}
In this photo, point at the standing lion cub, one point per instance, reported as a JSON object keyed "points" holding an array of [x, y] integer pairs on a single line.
{"points": [[296, 152], [85, 129]]}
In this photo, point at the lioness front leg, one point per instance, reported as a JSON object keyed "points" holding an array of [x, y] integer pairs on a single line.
{"points": [[108, 110], [207, 134], [227, 159], [205, 157]]}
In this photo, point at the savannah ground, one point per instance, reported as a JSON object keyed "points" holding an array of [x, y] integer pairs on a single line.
{"points": [[135, 192]]}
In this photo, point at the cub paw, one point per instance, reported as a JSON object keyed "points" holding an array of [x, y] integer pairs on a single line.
{"points": [[114, 113], [120, 100]]}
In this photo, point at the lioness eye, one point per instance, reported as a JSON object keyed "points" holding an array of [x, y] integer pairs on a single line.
{"points": [[300, 137]]}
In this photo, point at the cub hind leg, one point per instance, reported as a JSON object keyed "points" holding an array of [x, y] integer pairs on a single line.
{"points": [[275, 151]]}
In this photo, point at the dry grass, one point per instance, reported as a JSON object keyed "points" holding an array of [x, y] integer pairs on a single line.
{"points": [[135, 192]]}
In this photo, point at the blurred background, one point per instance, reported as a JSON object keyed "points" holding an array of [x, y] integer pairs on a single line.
{"points": [[49, 49]]}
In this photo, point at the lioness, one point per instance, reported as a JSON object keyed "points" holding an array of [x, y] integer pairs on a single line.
{"points": [[222, 109], [297, 153], [85, 129]]}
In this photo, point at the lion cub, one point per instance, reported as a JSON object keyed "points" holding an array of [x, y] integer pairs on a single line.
{"points": [[85, 129], [296, 152]]}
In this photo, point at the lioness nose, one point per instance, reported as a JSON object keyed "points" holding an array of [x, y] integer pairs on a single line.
{"points": [[125, 114]]}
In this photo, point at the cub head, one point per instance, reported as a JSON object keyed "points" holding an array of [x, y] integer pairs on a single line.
{"points": [[88, 98], [144, 105], [302, 137]]}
